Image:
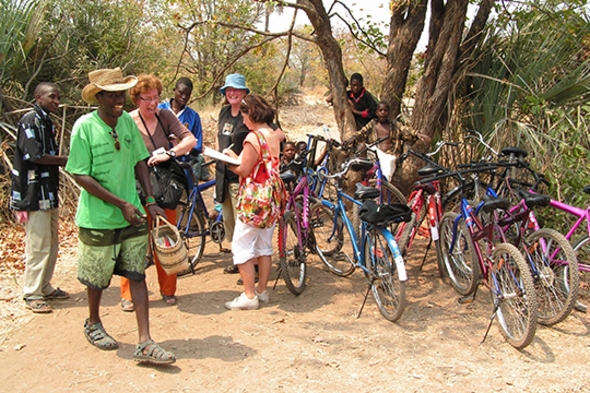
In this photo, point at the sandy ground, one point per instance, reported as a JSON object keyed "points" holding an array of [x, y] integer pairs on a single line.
{"points": [[310, 343]]}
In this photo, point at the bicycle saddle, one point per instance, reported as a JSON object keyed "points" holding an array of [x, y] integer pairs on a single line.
{"points": [[428, 170], [365, 192], [532, 200], [517, 151], [288, 176], [490, 204]]}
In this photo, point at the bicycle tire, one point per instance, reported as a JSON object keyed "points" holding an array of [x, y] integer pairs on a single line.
{"points": [[513, 293], [582, 250], [292, 256], [388, 291], [194, 235], [549, 253], [461, 264], [406, 228]]}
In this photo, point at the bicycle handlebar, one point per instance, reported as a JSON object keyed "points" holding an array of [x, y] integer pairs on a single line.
{"points": [[472, 134], [346, 167]]}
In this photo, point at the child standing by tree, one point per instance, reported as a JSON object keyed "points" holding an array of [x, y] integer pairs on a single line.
{"points": [[391, 148]]}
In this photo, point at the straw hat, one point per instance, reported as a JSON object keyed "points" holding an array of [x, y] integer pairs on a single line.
{"points": [[108, 80]]}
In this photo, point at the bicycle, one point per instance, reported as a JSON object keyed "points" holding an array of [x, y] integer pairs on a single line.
{"points": [[195, 221], [551, 258], [322, 217], [295, 235], [581, 246], [375, 251], [424, 201], [501, 267]]}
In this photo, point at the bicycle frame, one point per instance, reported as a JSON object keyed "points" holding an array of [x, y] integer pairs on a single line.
{"points": [[581, 214], [358, 243], [196, 198]]}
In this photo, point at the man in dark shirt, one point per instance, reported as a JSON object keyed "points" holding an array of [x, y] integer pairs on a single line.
{"points": [[35, 183], [362, 103]]}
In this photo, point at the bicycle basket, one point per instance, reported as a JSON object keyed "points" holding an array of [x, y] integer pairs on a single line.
{"points": [[384, 214]]}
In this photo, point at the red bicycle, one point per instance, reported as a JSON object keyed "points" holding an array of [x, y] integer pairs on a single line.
{"points": [[425, 201]]}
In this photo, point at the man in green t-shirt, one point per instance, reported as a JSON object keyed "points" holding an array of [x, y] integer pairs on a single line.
{"points": [[107, 154]]}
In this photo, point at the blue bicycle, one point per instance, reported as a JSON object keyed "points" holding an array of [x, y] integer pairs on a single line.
{"points": [[374, 251], [196, 221]]}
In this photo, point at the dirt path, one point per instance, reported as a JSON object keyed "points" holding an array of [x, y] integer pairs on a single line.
{"points": [[311, 343]]}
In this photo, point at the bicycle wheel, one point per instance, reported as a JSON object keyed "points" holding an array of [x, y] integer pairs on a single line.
{"points": [[582, 249], [460, 261], [387, 289], [321, 220], [192, 229], [513, 294], [292, 255], [405, 229], [555, 274]]}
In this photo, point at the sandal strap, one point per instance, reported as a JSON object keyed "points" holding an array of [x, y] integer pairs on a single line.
{"points": [[97, 333], [153, 350]]}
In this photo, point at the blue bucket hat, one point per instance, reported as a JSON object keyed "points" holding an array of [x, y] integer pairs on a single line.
{"points": [[237, 81]]}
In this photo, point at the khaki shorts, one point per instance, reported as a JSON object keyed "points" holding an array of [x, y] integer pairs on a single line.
{"points": [[103, 252]]}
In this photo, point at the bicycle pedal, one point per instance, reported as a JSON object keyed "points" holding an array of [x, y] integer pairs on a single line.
{"points": [[580, 307], [466, 299], [424, 232], [339, 256]]}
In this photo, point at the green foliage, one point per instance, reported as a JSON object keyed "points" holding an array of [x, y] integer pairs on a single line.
{"points": [[530, 86], [20, 22]]}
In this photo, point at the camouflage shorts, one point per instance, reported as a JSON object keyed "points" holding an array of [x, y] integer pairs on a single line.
{"points": [[103, 252]]}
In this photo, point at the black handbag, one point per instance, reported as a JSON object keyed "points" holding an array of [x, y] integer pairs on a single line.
{"points": [[168, 180], [168, 184]]}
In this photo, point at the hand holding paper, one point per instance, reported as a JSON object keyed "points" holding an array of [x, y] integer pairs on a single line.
{"points": [[220, 156]]}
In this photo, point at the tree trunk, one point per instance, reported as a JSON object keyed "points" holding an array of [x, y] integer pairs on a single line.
{"points": [[446, 52], [405, 29], [332, 54]]}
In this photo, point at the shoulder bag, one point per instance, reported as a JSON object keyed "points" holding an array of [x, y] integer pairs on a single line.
{"points": [[167, 179], [262, 195]]}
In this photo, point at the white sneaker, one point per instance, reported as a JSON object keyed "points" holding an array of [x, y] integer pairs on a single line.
{"points": [[243, 303], [263, 297]]}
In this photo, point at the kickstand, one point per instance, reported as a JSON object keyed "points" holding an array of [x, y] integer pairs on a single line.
{"points": [[467, 299], [365, 299], [426, 253], [491, 321]]}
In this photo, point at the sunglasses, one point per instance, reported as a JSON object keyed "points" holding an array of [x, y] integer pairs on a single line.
{"points": [[243, 106], [116, 138]]}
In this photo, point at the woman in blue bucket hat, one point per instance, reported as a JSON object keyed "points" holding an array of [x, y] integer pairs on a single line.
{"points": [[231, 132]]}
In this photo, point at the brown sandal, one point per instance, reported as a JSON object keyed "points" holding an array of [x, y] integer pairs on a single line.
{"points": [[38, 306]]}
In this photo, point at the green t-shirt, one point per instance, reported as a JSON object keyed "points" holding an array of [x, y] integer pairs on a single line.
{"points": [[93, 153]]}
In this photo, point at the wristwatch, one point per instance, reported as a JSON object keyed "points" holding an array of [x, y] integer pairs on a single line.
{"points": [[171, 153]]}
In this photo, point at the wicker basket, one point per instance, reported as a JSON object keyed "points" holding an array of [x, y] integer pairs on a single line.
{"points": [[169, 247]]}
